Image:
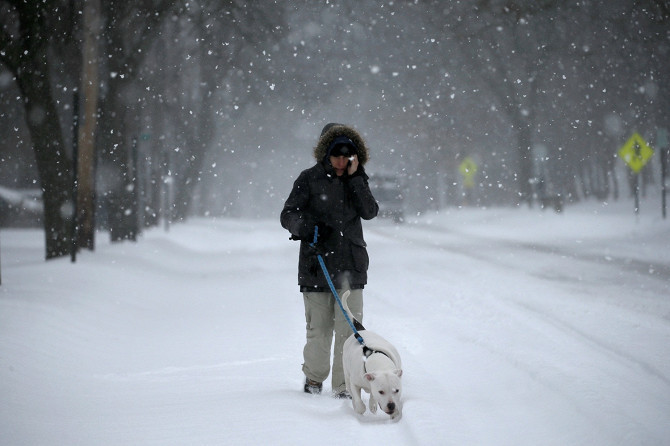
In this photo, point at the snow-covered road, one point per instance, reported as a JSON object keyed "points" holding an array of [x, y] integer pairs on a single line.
{"points": [[515, 326]]}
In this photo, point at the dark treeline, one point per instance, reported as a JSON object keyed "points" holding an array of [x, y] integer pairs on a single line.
{"points": [[212, 107]]}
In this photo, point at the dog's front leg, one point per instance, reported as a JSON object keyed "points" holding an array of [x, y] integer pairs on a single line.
{"points": [[373, 404], [356, 401]]}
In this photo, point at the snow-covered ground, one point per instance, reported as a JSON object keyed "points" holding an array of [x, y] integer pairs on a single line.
{"points": [[516, 327]]}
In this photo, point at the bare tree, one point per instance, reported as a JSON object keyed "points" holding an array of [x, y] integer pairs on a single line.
{"points": [[505, 42], [25, 40], [217, 71], [130, 30]]}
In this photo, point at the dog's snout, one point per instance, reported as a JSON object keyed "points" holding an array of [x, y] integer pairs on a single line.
{"points": [[391, 406]]}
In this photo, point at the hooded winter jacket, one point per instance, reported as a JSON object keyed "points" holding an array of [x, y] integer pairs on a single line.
{"points": [[319, 196]]}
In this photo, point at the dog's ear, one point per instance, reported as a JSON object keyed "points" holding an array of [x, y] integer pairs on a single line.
{"points": [[370, 376], [398, 372]]}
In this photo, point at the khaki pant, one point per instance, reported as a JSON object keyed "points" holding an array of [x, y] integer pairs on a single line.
{"points": [[323, 316]]}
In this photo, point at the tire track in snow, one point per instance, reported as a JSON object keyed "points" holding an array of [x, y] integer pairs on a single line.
{"points": [[467, 248], [598, 344], [476, 246]]}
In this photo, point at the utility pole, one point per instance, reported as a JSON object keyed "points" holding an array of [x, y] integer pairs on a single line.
{"points": [[74, 238], [87, 129]]}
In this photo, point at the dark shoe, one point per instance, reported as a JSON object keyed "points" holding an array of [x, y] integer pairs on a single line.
{"points": [[343, 395], [312, 387]]}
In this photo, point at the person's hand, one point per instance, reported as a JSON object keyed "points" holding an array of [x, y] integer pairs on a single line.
{"points": [[318, 249], [307, 230], [353, 165]]}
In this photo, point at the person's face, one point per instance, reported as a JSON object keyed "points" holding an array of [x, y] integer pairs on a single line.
{"points": [[340, 164]]}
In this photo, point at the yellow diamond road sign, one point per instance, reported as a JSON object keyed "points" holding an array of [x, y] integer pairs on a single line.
{"points": [[636, 152], [468, 169]]}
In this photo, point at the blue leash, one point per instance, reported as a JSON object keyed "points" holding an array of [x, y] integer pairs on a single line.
{"points": [[357, 335]]}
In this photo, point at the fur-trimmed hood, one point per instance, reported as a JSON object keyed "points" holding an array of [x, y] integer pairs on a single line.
{"points": [[332, 131]]}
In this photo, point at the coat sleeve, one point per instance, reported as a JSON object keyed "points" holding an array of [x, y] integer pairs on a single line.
{"points": [[365, 203], [294, 217]]}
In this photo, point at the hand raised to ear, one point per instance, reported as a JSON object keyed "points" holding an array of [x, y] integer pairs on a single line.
{"points": [[353, 165]]}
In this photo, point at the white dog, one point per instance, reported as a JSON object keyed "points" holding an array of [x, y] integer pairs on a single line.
{"points": [[375, 368]]}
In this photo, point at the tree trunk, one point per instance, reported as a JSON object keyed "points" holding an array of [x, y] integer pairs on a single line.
{"points": [[53, 165], [525, 172], [120, 195], [27, 58]]}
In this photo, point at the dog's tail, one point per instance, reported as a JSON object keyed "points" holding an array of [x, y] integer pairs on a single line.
{"points": [[357, 325]]}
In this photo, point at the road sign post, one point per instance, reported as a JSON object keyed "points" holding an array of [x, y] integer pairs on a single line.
{"points": [[636, 153], [662, 144], [468, 169], [664, 172]]}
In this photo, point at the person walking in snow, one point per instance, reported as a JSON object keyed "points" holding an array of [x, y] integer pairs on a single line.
{"points": [[333, 196]]}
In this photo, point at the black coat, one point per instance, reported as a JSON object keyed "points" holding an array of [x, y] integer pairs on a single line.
{"points": [[319, 196]]}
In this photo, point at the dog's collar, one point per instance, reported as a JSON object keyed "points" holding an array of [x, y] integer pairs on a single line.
{"points": [[367, 352]]}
